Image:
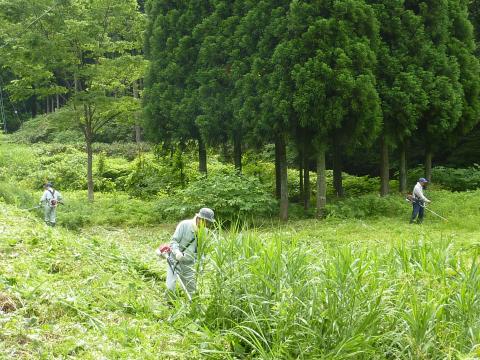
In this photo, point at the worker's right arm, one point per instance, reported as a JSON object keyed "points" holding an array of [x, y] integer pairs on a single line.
{"points": [[43, 199]]}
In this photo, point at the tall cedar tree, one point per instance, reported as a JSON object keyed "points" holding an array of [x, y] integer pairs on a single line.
{"points": [[335, 87], [399, 81], [171, 89], [440, 78], [216, 77]]}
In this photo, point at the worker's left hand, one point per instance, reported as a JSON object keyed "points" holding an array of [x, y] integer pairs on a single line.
{"points": [[179, 256]]}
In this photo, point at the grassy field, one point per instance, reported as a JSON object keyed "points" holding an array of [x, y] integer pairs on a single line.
{"points": [[361, 284], [334, 289]]}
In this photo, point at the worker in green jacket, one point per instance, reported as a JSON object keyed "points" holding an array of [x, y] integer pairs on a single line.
{"points": [[183, 250]]}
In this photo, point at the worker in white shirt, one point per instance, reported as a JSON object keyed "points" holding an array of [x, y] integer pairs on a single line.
{"points": [[50, 200], [418, 201]]}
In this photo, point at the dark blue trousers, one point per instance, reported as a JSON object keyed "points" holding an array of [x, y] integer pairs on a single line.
{"points": [[418, 210]]}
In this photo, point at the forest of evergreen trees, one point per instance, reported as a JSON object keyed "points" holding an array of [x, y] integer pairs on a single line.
{"points": [[328, 77], [366, 85]]}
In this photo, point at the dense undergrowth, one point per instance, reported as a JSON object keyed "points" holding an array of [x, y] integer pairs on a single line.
{"points": [[360, 284], [88, 296], [153, 186], [337, 289]]}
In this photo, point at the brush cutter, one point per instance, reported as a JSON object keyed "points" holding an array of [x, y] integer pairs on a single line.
{"points": [[433, 212], [164, 251], [33, 208]]}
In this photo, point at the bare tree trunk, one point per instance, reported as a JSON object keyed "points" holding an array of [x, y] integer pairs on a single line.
{"points": [[137, 127], [58, 101], [34, 106], [47, 106], [76, 83], [202, 156], [277, 171], [306, 188], [403, 169], [88, 131], [90, 170], [237, 151], [306, 178], [282, 152], [384, 167], [428, 163], [300, 177], [52, 106], [337, 166], [321, 183]]}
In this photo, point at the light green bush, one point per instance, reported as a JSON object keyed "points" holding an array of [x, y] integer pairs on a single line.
{"points": [[368, 206], [56, 126], [108, 209], [229, 194]]}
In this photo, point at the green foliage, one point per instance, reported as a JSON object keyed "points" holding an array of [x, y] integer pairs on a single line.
{"points": [[230, 195], [12, 194], [144, 181], [462, 179], [129, 151], [343, 289], [153, 175], [109, 209], [368, 206], [55, 127], [65, 166]]}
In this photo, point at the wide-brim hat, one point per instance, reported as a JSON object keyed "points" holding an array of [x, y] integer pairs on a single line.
{"points": [[206, 214], [423, 180]]}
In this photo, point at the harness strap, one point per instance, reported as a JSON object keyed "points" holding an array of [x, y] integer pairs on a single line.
{"points": [[184, 248]]}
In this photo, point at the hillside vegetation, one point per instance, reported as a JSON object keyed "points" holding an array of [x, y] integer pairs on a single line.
{"points": [[362, 283]]}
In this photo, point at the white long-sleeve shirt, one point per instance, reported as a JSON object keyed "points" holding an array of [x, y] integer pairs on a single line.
{"points": [[418, 193]]}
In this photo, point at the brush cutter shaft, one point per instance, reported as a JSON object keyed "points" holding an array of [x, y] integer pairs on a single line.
{"points": [[33, 208], [182, 284], [434, 213]]}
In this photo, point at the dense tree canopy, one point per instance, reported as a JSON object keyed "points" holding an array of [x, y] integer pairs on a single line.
{"points": [[326, 76], [324, 79], [84, 56]]}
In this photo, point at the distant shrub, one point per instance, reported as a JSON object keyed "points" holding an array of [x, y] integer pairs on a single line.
{"points": [[230, 195], [11, 194], [129, 150], [360, 185], [450, 178], [56, 126], [67, 170], [366, 206], [151, 176], [112, 209]]}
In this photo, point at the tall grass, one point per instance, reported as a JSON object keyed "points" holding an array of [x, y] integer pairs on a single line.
{"points": [[280, 297]]}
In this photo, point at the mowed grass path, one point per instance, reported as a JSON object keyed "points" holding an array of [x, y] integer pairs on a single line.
{"points": [[98, 293], [90, 295]]}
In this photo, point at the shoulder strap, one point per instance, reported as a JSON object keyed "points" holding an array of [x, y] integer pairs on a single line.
{"points": [[52, 192], [189, 243]]}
